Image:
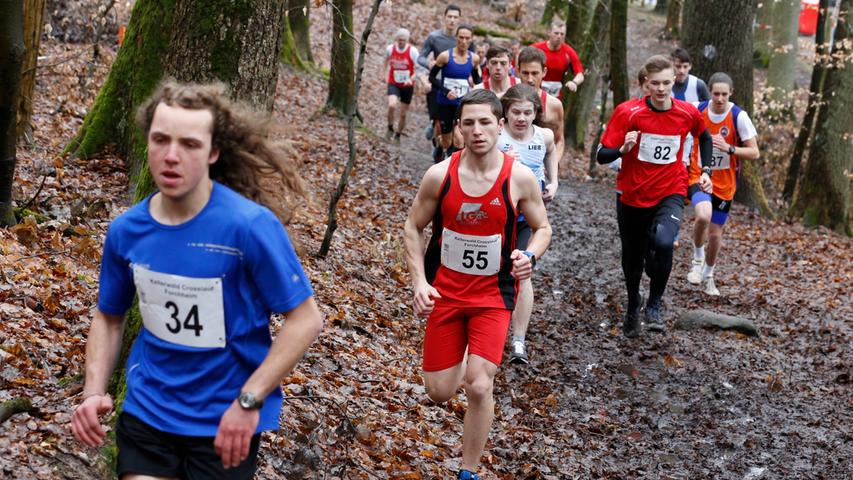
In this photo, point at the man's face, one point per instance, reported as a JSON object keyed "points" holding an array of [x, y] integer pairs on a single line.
{"points": [[401, 42], [480, 127], [659, 84], [180, 151], [498, 67], [720, 93], [516, 47], [531, 73], [556, 36], [682, 69], [463, 39], [451, 20]]}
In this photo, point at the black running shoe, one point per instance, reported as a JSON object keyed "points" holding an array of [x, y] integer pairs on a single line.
{"points": [[631, 325], [653, 319]]}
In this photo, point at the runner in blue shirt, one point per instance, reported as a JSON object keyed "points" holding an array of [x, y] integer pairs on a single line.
{"points": [[208, 266]]}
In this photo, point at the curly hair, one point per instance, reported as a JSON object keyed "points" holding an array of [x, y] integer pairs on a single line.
{"points": [[246, 152]]}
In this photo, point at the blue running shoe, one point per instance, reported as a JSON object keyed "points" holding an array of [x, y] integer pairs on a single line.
{"points": [[467, 475], [429, 132]]}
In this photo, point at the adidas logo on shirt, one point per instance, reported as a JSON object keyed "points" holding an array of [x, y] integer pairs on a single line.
{"points": [[496, 201]]}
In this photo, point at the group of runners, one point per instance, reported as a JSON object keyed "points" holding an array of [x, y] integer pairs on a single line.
{"points": [[209, 264]]}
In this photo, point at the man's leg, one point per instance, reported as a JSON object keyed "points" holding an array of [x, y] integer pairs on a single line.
{"points": [[479, 387], [442, 385], [404, 110], [633, 233], [715, 243], [392, 106], [667, 221], [702, 210], [524, 302]]}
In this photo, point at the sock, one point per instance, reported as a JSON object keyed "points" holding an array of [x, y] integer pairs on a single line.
{"points": [[707, 271], [699, 253], [516, 338]]}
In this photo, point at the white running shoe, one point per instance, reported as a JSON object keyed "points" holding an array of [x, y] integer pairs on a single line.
{"points": [[519, 354], [695, 275], [710, 288]]}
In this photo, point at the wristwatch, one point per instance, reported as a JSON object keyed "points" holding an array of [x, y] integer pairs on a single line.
{"points": [[531, 256], [248, 401], [731, 149], [706, 171]]}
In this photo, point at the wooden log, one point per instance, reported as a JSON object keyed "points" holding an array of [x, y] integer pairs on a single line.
{"points": [[13, 406], [693, 319]]}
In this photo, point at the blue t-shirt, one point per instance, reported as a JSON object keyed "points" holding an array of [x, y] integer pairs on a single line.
{"points": [[231, 264]]}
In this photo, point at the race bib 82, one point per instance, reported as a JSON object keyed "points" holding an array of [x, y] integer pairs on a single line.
{"points": [[659, 149]]}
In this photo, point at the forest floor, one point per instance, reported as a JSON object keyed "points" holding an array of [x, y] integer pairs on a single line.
{"points": [[697, 404]]}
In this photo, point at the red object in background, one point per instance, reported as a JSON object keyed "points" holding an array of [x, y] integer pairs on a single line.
{"points": [[808, 17], [121, 31]]}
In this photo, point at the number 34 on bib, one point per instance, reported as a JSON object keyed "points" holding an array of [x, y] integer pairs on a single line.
{"points": [[181, 310]]}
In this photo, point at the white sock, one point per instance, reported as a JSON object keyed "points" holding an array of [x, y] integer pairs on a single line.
{"points": [[707, 271], [699, 252]]}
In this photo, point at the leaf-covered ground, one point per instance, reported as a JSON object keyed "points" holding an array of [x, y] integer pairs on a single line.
{"points": [[591, 404]]}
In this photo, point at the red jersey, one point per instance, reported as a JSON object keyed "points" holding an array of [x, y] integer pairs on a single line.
{"points": [[652, 169], [558, 62], [468, 257], [402, 67], [487, 84]]}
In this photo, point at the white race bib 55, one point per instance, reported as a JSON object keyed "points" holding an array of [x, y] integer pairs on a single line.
{"points": [[181, 310], [471, 254]]}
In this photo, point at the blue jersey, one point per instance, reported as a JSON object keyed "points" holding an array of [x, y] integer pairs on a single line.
{"points": [[454, 77], [206, 289]]}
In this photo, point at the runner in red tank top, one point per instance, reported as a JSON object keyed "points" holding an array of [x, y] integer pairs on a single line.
{"points": [[498, 79], [531, 70], [400, 58], [561, 60], [467, 282]]}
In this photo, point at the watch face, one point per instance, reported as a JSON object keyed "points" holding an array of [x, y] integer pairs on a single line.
{"points": [[247, 400]]}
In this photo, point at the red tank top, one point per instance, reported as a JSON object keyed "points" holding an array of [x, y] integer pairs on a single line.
{"points": [[487, 83], [468, 257], [402, 67]]}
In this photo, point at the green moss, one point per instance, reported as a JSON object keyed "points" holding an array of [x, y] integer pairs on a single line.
{"points": [[69, 380]]}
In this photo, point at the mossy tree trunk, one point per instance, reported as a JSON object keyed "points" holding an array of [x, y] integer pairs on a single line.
{"points": [[661, 7], [618, 50], [815, 90], [12, 53], [289, 52], [594, 53], [763, 29], [721, 42], [342, 71], [783, 56], [33, 22], [553, 8], [300, 24], [824, 195], [578, 16], [673, 18]]}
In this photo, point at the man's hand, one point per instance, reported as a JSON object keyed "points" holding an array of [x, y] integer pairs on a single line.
{"points": [[234, 435], [630, 141], [572, 86], [451, 95], [550, 192], [86, 422], [720, 143], [522, 269], [705, 183], [425, 296]]}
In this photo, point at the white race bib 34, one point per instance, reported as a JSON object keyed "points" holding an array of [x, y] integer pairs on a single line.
{"points": [[182, 310]]}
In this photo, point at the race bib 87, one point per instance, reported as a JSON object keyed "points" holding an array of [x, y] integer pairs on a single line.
{"points": [[471, 254], [720, 160], [659, 149], [182, 310]]}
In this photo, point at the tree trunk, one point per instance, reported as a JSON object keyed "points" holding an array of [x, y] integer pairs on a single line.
{"points": [[763, 29], [673, 18], [33, 22], [618, 50], [594, 54], [783, 56], [300, 23], [553, 8], [12, 52], [341, 73], [577, 21], [289, 52], [815, 89], [599, 131], [662, 7], [721, 42], [332, 220], [824, 196], [236, 43]]}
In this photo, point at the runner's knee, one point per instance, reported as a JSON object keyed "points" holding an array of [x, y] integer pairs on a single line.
{"points": [[478, 387]]}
